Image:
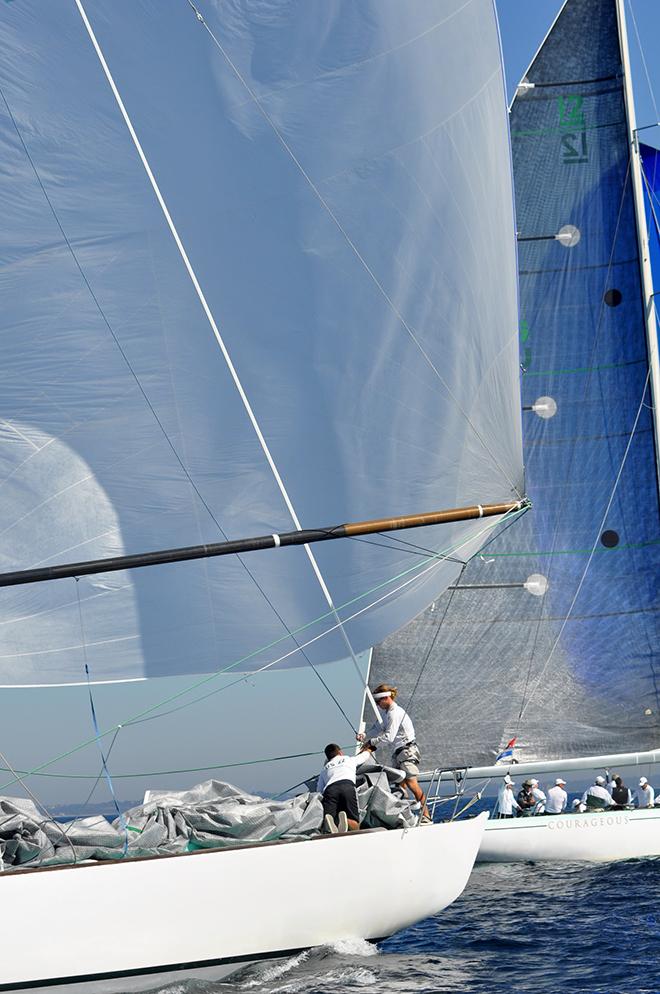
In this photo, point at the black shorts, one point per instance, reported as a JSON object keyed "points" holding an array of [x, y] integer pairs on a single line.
{"points": [[341, 796]]}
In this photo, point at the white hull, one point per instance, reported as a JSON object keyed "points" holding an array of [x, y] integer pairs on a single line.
{"points": [[133, 925], [594, 836]]}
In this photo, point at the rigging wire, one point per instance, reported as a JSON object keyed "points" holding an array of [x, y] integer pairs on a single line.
{"points": [[233, 372], [413, 574], [641, 52], [104, 763], [434, 639]]}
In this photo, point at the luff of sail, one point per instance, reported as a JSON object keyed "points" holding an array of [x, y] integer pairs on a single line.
{"points": [[338, 344], [555, 638]]}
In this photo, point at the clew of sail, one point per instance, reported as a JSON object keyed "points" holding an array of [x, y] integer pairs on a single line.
{"points": [[258, 275], [552, 633]]}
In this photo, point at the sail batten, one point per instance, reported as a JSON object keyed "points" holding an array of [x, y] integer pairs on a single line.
{"points": [[371, 327]]}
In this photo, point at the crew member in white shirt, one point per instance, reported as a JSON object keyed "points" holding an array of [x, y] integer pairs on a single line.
{"points": [[597, 797], [336, 783], [645, 796], [539, 797], [557, 798], [397, 733], [506, 804]]}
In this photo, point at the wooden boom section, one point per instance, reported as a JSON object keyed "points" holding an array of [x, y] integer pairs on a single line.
{"points": [[303, 537]]}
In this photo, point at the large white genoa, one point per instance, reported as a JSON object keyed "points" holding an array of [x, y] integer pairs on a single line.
{"points": [[129, 925], [594, 836]]}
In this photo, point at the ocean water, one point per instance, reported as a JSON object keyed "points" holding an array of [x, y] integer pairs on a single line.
{"points": [[541, 928]]}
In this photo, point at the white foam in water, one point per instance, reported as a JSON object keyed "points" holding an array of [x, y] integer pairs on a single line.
{"points": [[353, 947], [350, 977], [270, 973]]}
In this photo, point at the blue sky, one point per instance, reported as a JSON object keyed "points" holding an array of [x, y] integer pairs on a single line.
{"points": [[272, 714]]}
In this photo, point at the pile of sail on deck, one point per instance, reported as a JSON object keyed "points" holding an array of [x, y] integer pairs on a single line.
{"points": [[235, 301], [552, 633]]}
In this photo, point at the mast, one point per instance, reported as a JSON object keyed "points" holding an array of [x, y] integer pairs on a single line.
{"points": [[646, 275]]}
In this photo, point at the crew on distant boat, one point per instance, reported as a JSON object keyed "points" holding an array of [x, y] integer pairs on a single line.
{"points": [[397, 731], [539, 798], [597, 797], [526, 799], [557, 798], [506, 803], [645, 796], [336, 783], [621, 795]]}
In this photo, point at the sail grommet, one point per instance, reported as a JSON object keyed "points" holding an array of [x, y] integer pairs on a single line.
{"points": [[610, 539], [536, 584], [545, 407], [569, 236], [612, 297]]}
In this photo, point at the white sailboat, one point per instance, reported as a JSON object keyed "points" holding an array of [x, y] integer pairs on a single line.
{"points": [[551, 635], [255, 278]]}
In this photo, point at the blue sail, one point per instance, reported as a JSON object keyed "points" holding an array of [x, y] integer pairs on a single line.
{"points": [[651, 182], [553, 633]]}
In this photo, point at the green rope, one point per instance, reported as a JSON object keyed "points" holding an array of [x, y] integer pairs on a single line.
{"points": [[417, 567], [165, 773]]}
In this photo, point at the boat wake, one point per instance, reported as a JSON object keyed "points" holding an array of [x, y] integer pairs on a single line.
{"points": [[301, 973], [267, 974]]}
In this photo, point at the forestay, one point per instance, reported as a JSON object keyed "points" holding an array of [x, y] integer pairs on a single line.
{"points": [[572, 671], [285, 294]]}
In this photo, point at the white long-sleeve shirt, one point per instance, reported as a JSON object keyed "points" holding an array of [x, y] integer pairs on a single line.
{"points": [[557, 800], [396, 731], [506, 800], [340, 768], [645, 797], [540, 799], [597, 791]]}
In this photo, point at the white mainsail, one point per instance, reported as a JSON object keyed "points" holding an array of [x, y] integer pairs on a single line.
{"points": [[259, 274]]}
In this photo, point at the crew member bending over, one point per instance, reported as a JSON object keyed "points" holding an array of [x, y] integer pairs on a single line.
{"points": [[596, 797], [336, 783], [398, 733]]}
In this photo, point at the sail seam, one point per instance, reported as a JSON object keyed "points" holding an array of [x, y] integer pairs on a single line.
{"points": [[593, 549], [315, 190], [214, 327]]}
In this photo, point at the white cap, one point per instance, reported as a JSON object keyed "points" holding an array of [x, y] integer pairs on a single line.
{"points": [[507, 779], [642, 781], [600, 780], [559, 781], [534, 783]]}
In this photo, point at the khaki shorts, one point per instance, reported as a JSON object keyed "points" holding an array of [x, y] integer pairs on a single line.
{"points": [[408, 760]]}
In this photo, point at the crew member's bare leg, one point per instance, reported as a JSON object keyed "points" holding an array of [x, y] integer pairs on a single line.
{"points": [[418, 794]]}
